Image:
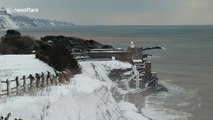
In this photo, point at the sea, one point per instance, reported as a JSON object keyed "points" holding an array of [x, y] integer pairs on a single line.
{"points": [[184, 66]]}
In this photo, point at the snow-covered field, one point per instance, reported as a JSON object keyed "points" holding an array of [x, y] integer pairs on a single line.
{"points": [[19, 65], [87, 97]]}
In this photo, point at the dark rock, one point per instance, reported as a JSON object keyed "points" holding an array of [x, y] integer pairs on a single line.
{"points": [[146, 55], [117, 74], [160, 88], [152, 48]]}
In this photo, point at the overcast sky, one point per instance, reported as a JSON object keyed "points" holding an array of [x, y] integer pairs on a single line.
{"points": [[120, 12]]}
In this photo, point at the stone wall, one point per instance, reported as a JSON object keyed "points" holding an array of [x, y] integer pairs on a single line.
{"points": [[137, 52], [121, 55], [131, 53]]}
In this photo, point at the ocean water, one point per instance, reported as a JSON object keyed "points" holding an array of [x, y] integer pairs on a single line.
{"points": [[185, 66]]}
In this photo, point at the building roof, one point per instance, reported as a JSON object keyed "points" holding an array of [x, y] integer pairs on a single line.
{"points": [[137, 60]]}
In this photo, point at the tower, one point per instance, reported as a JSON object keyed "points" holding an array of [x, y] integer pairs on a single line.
{"points": [[132, 44]]}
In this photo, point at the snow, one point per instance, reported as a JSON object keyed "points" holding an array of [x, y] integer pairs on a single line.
{"points": [[87, 84], [87, 97], [97, 68], [137, 60], [130, 111], [7, 22], [108, 65], [19, 65], [16, 21]]}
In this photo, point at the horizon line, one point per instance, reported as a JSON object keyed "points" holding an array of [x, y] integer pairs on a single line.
{"points": [[144, 25]]}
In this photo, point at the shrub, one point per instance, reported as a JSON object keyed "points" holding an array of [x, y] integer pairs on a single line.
{"points": [[7, 49], [61, 58], [16, 44], [13, 33], [57, 56]]}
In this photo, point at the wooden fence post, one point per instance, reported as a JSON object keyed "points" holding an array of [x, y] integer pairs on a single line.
{"points": [[48, 77], [56, 77], [8, 87], [37, 80], [17, 85], [52, 80], [42, 79], [24, 83], [31, 81]]}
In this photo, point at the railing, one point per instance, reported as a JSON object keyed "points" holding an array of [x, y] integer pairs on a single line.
{"points": [[30, 83]]}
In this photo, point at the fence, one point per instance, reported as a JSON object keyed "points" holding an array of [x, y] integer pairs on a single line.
{"points": [[26, 84]]}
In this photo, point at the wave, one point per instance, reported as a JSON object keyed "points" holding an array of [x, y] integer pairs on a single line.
{"points": [[171, 105]]}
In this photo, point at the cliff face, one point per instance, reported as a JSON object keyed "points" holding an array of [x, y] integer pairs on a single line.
{"points": [[86, 97], [6, 21], [12, 21]]}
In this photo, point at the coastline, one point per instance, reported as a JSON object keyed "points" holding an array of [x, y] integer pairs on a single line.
{"points": [[73, 97], [181, 64]]}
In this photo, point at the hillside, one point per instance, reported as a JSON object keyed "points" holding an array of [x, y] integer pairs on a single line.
{"points": [[15, 21], [67, 102]]}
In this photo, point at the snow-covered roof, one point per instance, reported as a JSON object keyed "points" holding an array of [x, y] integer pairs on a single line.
{"points": [[137, 60]]}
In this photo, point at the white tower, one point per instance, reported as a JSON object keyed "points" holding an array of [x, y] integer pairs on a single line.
{"points": [[132, 45]]}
